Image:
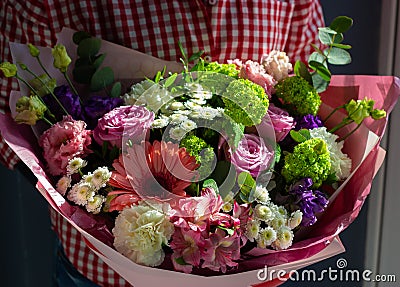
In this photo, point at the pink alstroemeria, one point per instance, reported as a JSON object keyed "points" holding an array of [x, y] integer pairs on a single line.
{"points": [[221, 250]]}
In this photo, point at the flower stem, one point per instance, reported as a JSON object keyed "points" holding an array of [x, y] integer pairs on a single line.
{"points": [[48, 89], [70, 84], [350, 133], [47, 121], [334, 111], [43, 68], [344, 123]]}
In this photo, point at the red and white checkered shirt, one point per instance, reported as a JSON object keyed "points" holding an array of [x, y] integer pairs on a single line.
{"points": [[224, 29]]}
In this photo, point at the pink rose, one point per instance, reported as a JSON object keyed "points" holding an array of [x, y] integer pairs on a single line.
{"points": [[251, 155], [125, 120], [280, 120], [63, 141]]}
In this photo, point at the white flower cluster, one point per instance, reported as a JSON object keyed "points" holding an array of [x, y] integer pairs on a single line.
{"points": [[85, 192], [140, 232], [277, 64], [146, 93], [271, 224], [340, 162]]}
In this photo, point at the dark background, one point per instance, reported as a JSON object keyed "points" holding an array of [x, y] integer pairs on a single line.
{"points": [[28, 242]]}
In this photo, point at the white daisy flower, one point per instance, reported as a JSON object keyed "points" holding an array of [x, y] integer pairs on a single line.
{"points": [[94, 205], [252, 229], [175, 106], [81, 193], [160, 123], [63, 184], [278, 220], [177, 118], [295, 219], [284, 238], [261, 195], [227, 207], [100, 177], [75, 164], [177, 133], [263, 212], [266, 237], [188, 125]]}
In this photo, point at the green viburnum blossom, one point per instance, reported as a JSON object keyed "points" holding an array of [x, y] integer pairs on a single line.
{"points": [[226, 69], [299, 97], [9, 70], [245, 102], [33, 50], [310, 158], [61, 58], [29, 110]]}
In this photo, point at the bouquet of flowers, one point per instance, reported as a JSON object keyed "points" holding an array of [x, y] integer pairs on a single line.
{"points": [[218, 168]]}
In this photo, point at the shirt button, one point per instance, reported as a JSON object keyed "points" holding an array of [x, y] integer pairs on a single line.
{"points": [[208, 58], [212, 2]]}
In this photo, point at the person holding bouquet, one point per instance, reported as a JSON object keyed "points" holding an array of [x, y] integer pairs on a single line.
{"points": [[223, 29]]}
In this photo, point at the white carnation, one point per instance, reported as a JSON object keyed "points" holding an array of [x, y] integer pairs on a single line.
{"points": [[340, 162], [277, 64], [140, 232]]}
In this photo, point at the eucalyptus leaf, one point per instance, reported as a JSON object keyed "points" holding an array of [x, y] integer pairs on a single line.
{"points": [[77, 37], [321, 69], [325, 37], [89, 47], [83, 74], [341, 24], [81, 62], [246, 183], [116, 90], [319, 83], [339, 56], [317, 57], [301, 70], [101, 79], [327, 30], [99, 60], [338, 38]]}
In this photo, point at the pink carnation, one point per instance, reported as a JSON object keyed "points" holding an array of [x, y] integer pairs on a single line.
{"points": [[132, 121], [279, 119], [63, 141], [256, 73]]}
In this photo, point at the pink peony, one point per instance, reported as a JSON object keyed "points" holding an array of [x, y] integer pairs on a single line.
{"points": [[132, 121], [256, 73], [280, 120], [63, 141], [251, 155]]}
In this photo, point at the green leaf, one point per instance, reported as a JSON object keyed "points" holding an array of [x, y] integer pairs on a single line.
{"points": [[321, 69], [83, 74], [104, 148], [319, 83], [195, 56], [316, 57], [79, 36], [99, 60], [301, 70], [81, 62], [341, 46], [327, 30], [297, 136], [170, 80], [339, 56], [180, 261], [229, 231], [101, 79], [341, 24], [116, 90], [338, 38], [224, 175], [277, 153], [182, 51], [89, 47], [211, 183], [246, 183], [325, 37]]}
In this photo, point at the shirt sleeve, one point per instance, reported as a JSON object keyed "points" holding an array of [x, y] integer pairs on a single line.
{"points": [[307, 18], [22, 22]]}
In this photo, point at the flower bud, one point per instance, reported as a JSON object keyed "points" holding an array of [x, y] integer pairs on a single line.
{"points": [[61, 58], [33, 50], [8, 69], [29, 110], [378, 114], [358, 110]]}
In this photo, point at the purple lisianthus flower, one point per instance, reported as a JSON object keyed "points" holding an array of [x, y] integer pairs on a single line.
{"points": [[69, 101], [308, 122], [98, 106], [310, 202], [251, 155], [131, 121]]}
